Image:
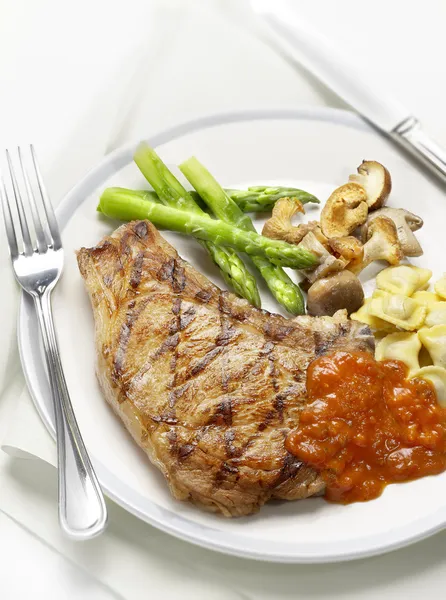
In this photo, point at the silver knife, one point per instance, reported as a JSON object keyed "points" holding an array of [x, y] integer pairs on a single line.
{"points": [[321, 58]]}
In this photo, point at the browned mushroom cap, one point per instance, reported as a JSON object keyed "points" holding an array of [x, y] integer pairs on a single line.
{"points": [[376, 181], [382, 244], [344, 211], [348, 247], [405, 222], [279, 226], [339, 291]]}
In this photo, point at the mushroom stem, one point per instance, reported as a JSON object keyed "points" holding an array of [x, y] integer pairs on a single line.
{"points": [[382, 244], [405, 222]]}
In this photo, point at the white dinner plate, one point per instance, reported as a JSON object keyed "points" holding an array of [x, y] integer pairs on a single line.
{"points": [[315, 149]]}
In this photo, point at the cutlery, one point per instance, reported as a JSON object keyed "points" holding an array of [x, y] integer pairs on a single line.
{"points": [[321, 58], [37, 259]]}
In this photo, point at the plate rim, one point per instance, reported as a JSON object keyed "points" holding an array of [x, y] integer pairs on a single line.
{"points": [[160, 517]]}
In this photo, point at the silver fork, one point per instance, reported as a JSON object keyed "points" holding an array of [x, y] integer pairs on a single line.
{"points": [[37, 266]]}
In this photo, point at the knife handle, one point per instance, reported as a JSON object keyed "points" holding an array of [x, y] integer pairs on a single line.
{"points": [[411, 136]]}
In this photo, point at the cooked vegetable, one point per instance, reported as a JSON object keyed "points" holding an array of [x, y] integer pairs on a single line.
{"points": [[328, 264], [119, 203], [250, 200], [403, 279], [280, 227], [261, 198], [401, 346], [171, 193], [349, 248], [345, 210], [399, 310], [382, 244], [437, 376], [281, 286], [405, 222], [434, 340], [376, 181], [440, 287], [339, 291], [436, 314]]}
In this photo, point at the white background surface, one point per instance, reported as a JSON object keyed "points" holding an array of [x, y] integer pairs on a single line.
{"points": [[68, 69]]}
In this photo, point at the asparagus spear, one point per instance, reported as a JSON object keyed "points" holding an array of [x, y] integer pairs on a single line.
{"points": [[261, 198], [281, 286], [119, 203], [255, 199], [172, 193]]}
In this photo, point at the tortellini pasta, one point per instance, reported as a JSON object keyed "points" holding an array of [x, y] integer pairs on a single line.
{"points": [[426, 298], [440, 287], [363, 315], [436, 314], [403, 346], [403, 279], [434, 340], [437, 376], [399, 310]]}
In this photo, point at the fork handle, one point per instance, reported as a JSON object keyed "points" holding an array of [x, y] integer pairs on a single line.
{"points": [[82, 510]]}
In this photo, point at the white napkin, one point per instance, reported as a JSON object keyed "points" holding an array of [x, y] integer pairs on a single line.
{"points": [[148, 76]]}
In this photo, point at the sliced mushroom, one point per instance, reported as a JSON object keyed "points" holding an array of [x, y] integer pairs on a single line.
{"points": [[405, 222], [344, 211], [279, 226], [327, 262], [376, 181], [382, 244], [349, 248], [330, 294]]}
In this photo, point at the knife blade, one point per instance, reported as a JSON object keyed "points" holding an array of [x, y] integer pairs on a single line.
{"points": [[318, 55]]}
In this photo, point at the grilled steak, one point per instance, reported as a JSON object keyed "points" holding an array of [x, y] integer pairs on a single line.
{"points": [[206, 384]]}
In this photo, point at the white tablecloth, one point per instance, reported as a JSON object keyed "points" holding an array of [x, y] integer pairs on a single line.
{"points": [[81, 78]]}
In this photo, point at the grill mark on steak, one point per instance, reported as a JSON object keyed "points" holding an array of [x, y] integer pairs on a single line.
{"points": [[173, 272], [177, 392], [199, 366], [203, 295], [290, 468], [141, 230], [225, 470], [185, 450], [276, 332], [132, 316], [137, 270], [279, 403], [187, 317], [223, 413], [168, 418]]}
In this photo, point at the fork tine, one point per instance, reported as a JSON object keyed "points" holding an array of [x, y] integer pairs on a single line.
{"points": [[9, 224], [49, 211], [42, 243], [28, 247]]}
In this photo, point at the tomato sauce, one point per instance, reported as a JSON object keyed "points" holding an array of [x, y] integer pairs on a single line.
{"points": [[366, 425]]}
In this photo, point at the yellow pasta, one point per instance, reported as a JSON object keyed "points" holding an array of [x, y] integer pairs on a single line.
{"points": [[402, 346], [434, 340], [363, 315], [436, 314], [426, 298], [403, 279], [399, 310], [437, 376], [440, 287]]}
